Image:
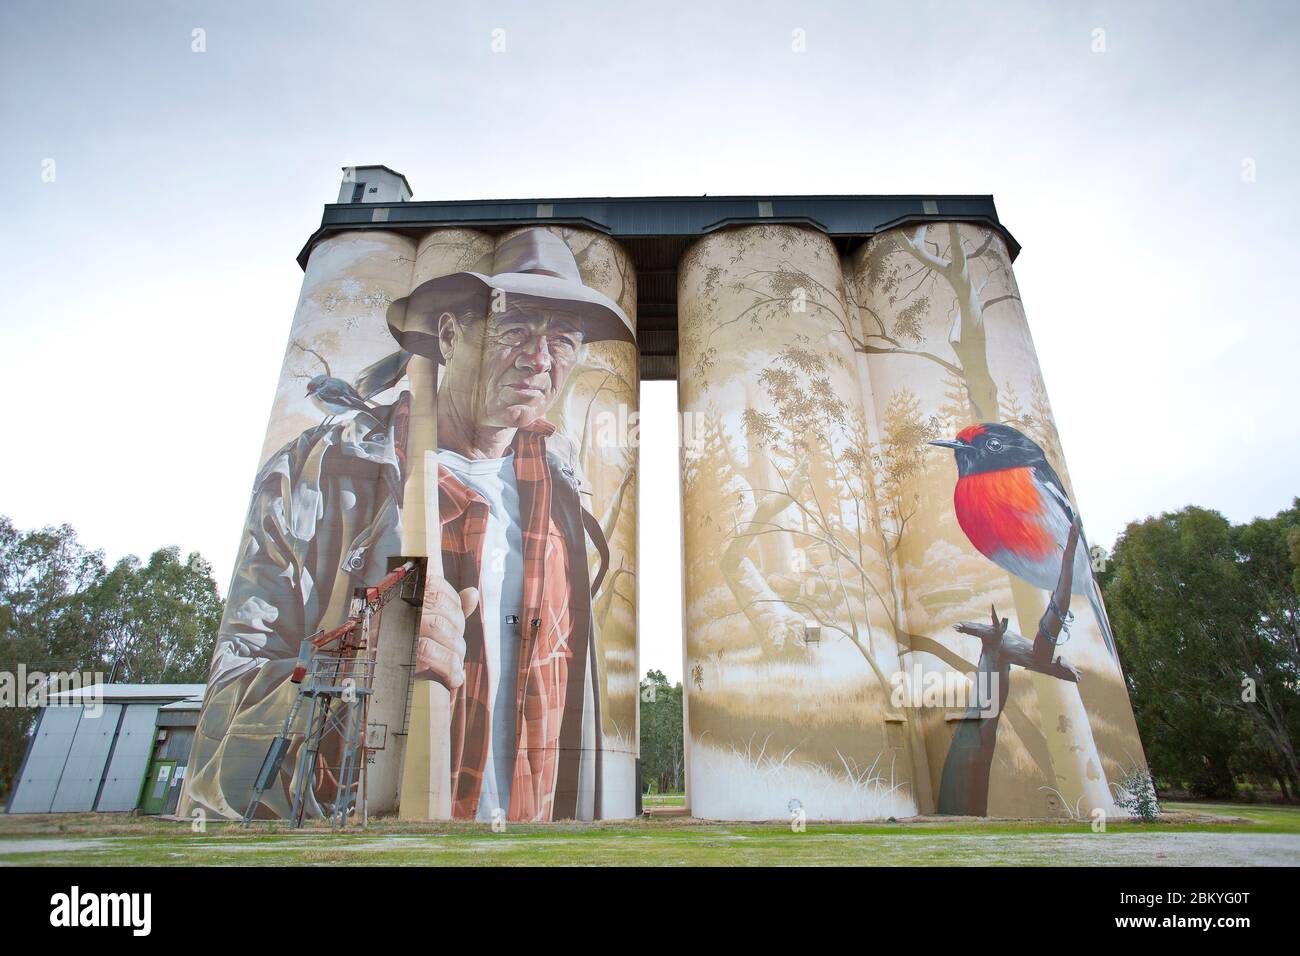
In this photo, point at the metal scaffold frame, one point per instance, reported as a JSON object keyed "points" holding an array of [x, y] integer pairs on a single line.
{"points": [[335, 675]]}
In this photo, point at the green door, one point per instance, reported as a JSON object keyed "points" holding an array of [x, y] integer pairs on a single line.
{"points": [[155, 787]]}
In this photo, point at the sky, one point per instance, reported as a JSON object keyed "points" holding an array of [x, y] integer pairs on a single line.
{"points": [[159, 182]]}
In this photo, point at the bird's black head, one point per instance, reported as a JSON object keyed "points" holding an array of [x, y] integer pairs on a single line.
{"points": [[316, 383], [991, 447]]}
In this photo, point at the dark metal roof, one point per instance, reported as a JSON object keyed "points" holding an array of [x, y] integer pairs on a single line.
{"points": [[656, 231]]}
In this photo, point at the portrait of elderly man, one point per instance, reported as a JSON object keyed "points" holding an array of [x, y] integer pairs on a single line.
{"points": [[513, 638]]}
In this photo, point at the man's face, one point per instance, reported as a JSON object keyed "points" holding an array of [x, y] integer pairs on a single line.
{"points": [[510, 367]]}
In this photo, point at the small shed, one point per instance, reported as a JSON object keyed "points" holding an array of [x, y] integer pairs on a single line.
{"points": [[171, 754], [91, 748]]}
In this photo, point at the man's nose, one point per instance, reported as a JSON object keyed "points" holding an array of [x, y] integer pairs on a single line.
{"points": [[535, 355]]}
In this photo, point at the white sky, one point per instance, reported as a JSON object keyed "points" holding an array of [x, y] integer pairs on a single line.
{"points": [[149, 287]]}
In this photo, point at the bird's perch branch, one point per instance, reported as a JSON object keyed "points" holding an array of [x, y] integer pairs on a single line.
{"points": [[964, 787], [1053, 619], [1003, 646], [1007, 647]]}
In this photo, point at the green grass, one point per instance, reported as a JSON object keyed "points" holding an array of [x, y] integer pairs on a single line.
{"points": [[88, 839], [656, 801], [1277, 818]]}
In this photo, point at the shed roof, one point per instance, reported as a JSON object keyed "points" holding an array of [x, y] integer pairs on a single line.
{"points": [[188, 703], [132, 692]]}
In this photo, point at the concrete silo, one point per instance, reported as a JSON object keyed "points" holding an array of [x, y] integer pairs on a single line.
{"points": [[496, 370], [790, 637], [330, 434], [948, 353]]}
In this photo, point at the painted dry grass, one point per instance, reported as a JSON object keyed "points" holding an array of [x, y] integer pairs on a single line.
{"points": [[793, 710], [755, 783]]}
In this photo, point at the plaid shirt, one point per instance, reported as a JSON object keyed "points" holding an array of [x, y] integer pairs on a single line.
{"points": [[552, 648]]}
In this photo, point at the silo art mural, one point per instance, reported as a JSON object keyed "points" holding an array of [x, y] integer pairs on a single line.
{"points": [[889, 601], [518, 352], [890, 607]]}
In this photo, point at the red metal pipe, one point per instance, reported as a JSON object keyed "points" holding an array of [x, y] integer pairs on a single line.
{"points": [[373, 595]]}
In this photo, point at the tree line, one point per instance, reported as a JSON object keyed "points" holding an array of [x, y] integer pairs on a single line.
{"points": [[663, 751], [65, 609], [1207, 617]]}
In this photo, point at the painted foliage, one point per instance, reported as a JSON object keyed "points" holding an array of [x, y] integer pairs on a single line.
{"points": [[789, 612], [543, 324], [836, 570]]}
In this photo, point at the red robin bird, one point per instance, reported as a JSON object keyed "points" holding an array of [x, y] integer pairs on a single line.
{"points": [[1014, 509]]}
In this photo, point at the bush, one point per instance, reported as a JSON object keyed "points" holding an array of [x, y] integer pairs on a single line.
{"points": [[1137, 795]]}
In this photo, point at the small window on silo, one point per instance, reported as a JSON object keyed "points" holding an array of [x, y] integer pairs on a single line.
{"points": [[358, 192]]}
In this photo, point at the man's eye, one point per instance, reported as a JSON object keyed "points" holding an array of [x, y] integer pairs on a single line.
{"points": [[513, 336]]}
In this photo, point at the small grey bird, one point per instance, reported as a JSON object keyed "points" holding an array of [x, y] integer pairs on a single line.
{"points": [[335, 395]]}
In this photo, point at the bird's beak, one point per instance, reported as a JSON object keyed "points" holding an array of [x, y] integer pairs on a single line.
{"points": [[949, 443]]}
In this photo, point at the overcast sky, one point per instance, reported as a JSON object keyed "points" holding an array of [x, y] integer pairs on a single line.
{"points": [[150, 285]]}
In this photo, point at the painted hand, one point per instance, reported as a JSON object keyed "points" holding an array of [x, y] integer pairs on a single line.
{"points": [[440, 654]]}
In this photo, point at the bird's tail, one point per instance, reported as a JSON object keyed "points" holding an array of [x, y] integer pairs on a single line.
{"points": [[1083, 559]]}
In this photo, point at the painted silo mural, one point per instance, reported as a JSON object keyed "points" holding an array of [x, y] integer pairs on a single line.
{"points": [[889, 602], [993, 572], [790, 619], [509, 362]]}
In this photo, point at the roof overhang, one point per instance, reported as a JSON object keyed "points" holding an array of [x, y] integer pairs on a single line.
{"points": [[850, 219]]}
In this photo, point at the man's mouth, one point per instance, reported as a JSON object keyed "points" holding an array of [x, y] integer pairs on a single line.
{"points": [[526, 391]]}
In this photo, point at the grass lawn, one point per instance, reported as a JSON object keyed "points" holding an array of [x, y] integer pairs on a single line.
{"points": [[1226, 834], [655, 801]]}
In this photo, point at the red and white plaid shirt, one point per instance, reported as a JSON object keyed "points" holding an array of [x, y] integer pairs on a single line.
{"points": [[547, 630]]}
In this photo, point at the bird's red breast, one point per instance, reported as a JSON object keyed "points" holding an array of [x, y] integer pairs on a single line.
{"points": [[1002, 510]]}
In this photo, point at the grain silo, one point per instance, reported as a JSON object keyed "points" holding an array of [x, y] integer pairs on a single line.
{"points": [[466, 374]]}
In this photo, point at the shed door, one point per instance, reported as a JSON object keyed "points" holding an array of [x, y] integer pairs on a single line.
{"points": [[160, 778]]}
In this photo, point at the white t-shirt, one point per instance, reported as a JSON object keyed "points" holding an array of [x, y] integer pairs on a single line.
{"points": [[501, 591]]}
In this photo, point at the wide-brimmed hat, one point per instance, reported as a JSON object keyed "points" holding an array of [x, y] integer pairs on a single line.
{"points": [[534, 265]]}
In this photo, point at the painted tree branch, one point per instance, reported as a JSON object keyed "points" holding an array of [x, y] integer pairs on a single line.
{"points": [[610, 518], [775, 622], [964, 788], [967, 336]]}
